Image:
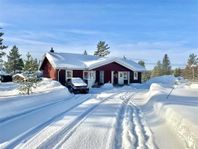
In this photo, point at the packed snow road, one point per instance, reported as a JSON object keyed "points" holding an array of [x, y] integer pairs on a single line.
{"points": [[105, 120]]}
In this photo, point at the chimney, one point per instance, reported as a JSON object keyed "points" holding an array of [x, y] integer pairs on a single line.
{"points": [[52, 50]]}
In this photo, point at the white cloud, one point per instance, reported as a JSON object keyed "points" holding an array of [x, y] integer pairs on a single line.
{"points": [[80, 31], [150, 52]]}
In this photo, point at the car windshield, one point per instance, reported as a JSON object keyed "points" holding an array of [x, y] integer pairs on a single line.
{"points": [[77, 80]]}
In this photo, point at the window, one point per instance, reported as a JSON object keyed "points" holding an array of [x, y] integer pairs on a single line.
{"points": [[85, 75], [92, 75], [135, 75], [125, 76], [69, 74], [89, 75]]}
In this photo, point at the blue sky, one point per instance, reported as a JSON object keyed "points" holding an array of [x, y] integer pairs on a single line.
{"points": [[138, 29]]}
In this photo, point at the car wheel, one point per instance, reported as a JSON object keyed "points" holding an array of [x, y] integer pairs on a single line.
{"points": [[70, 90]]}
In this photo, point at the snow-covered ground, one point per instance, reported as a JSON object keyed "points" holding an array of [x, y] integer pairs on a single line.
{"points": [[139, 116], [172, 118]]}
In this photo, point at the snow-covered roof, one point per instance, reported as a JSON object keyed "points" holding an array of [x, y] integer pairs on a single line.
{"points": [[19, 75], [87, 62]]}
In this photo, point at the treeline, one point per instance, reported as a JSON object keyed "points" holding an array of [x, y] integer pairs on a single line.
{"points": [[15, 63], [190, 71]]}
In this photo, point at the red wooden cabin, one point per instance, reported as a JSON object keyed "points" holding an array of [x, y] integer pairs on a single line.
{"points": [[93, 69]]}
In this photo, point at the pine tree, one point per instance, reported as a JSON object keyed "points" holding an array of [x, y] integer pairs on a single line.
{"points": [[14, 62], [85, 52], [192, 60], [191, 69], [31, 64], [166, 67], [157, 71], [102, 49], [177, 72], [26, 86], [145, 75], [30, 68], [142, 63], [2, 47]]}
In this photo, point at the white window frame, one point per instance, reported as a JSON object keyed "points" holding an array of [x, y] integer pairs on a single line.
{"points": [[125, 75], [66, 77], [135, 77], [92, 75]]}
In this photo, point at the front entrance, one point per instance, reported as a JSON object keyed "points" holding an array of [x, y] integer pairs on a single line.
{"points": [[120, 78], [115, 77], [101, 77], [123, 77]]}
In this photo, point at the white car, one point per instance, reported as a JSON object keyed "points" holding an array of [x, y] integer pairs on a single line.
{"points": [[77, 85]]}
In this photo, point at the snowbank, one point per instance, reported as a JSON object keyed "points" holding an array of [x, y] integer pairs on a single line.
{"points": [[107, 86], [194, 86], [168, 80], [12, 103], [185, 129], [177, 111], [46, 85], [8, 89]]}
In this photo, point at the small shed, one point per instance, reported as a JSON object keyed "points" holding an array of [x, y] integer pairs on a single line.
{"points": [[5, 77], [19, 77]]}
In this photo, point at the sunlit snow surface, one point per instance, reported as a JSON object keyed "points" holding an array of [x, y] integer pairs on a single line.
{"points": [[134, 116]]}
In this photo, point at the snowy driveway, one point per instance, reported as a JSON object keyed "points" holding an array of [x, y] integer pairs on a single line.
{"points": [[104, 120], [114, 118]]}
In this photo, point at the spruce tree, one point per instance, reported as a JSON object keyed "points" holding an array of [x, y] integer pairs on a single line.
{"points": [[166, 67], [31, 64], [145, 75], [177, 72], [191, 69], [102, 49], [14, 62], [157, 71], [2, 47], [192, 60], [30, 68]]}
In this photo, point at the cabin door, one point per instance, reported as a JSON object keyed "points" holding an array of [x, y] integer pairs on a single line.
{"points": [[120, 78], [102, 77]]}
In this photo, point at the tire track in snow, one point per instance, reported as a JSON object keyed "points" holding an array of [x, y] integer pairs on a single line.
{"points": [[34, 109], [121, 120], [141, 130], [30, 132], [64, 130], [131, 129]]}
